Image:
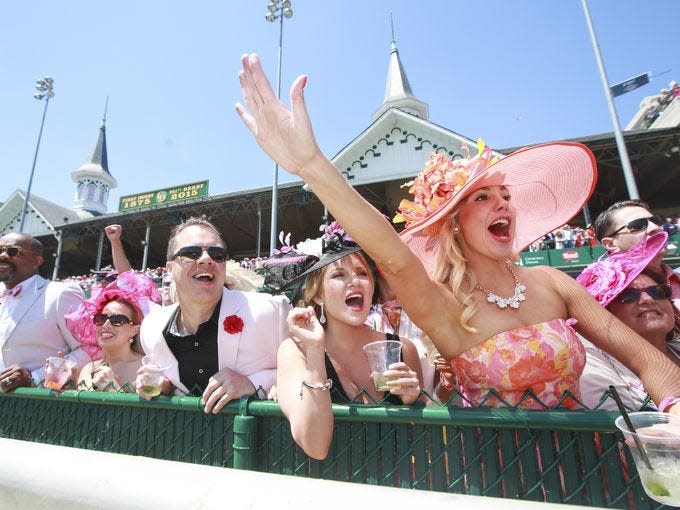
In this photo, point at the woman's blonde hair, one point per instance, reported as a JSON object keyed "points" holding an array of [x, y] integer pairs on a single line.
{"points": [[451, 269], [315, 279]]}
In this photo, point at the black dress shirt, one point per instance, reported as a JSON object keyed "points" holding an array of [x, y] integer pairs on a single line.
{"points": [[196, 353]]}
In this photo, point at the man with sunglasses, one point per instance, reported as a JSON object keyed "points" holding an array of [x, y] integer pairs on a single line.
{"points": [[32, 310], [214, 342], [627, 223]]}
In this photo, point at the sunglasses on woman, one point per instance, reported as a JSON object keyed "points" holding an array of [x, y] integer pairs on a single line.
{"points": [[217, 253], [656, 292], [115, 320], [638, 225]]}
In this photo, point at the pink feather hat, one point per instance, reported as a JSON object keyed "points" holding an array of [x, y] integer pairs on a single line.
{"points": [[549, 185], [607, 278], [137, 289]]}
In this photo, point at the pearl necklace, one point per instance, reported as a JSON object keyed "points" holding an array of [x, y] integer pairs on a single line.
{"points": [[513, 301]]}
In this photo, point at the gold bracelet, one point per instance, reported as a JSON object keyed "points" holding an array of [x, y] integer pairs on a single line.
{"points": [[320, 386]]}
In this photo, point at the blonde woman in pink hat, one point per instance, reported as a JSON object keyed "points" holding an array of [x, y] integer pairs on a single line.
{"points": [[502, 327]]}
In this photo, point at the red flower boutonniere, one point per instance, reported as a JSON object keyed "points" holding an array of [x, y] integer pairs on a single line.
{"points": [[233, 324]]}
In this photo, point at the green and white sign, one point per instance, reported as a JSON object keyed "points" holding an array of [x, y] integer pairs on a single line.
{"points": [[163, 196]]}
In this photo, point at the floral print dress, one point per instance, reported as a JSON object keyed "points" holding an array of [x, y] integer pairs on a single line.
{"points": [[546, 358]]}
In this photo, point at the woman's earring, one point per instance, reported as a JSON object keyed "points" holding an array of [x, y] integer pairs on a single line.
{"points": [[322, 316], [456, 229], [131, 340]]}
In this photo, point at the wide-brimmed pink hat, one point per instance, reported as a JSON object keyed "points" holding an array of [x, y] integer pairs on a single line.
{"points": [[607, 278], [549, 185], [138, 289]]}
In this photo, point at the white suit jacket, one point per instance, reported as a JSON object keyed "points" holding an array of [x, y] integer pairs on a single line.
{"points": [[252, 352], [37, 329]]}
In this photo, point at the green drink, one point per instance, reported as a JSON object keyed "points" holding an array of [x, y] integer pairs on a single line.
{"points": [[380, 381], [150, 390], [662, 484]]}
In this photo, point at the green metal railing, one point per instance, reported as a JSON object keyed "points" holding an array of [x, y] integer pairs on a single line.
{"points": [[556, 456]]}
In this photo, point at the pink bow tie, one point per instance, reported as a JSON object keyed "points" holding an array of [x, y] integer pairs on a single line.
{"points": [[13, 292]]}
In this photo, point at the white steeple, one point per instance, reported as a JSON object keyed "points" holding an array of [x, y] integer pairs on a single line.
{"points": [[398, 92], [93, 179]]}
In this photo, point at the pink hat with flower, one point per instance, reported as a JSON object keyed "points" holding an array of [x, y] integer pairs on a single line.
{"points": [[135, 288], [606, 279], [549, 185]]}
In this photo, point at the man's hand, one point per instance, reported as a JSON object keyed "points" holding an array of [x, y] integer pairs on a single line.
{"points": [[223, 387], [15, 376], [113, 232]]}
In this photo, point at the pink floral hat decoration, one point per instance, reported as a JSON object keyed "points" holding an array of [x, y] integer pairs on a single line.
{"points": [[137, 289], [549, 185], [607, 278]]}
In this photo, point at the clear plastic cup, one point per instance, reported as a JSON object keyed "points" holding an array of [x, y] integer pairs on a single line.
{"points": [[381, 355], [658, 434], [151, 379], [57, 372]]}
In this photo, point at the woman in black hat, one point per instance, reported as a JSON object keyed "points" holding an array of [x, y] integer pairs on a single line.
{"points": [[323, 361]]}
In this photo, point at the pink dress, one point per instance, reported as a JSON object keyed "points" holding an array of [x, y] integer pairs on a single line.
{"points": [[547, 358]]}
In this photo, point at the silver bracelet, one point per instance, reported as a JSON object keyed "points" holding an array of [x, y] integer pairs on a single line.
{"points": [[319, 386]]}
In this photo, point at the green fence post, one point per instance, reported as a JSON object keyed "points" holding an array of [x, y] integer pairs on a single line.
{"points": [[245, 437]]}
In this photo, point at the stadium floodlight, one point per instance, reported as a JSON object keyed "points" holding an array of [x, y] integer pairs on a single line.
{"points": [[277, 10], [44, 88]]}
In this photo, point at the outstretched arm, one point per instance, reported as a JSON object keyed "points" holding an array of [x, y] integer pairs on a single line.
{"points": [[287, 137], [659, 375]]}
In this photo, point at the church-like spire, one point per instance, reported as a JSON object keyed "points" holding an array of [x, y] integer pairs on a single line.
{"points": [[99, 155], [94, 180], [398, 93]]}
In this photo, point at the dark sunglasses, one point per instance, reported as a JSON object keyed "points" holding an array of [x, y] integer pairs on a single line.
{"points": [[656, 292], [217, 253], [107, 278], [115, 320], [638, 225], [11, 251]]}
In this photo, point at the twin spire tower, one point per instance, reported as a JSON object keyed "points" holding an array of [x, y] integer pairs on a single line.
{"points": [[93, 179]]}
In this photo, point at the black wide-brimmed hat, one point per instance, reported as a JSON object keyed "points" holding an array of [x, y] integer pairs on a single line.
{"points": [[288, 268], [335, 244]]}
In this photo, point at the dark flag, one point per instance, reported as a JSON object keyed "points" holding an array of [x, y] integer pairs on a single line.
{"points": [[631, 84]]}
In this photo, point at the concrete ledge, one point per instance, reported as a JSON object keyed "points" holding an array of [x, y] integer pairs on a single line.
{"points": [[39, 476]]}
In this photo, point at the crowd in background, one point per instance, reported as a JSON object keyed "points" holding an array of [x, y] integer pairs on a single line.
{"points": [[661, 102]]}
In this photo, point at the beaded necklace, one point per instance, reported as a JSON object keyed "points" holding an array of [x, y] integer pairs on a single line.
{"points": [[513, 301]]}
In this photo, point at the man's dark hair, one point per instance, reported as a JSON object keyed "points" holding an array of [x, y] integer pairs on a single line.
{"points": [[191, 222], [604, 223]]}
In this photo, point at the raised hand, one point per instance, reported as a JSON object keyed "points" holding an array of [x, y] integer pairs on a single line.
{"points": [[285, 135], [113, 232], [305, 329]]}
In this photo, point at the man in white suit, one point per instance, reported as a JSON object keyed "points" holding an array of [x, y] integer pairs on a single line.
{"points": [[214, 342], [32, 311]]}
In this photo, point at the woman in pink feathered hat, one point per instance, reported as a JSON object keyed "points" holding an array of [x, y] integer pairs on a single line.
{"points": [[501, 327], [107, 326]]}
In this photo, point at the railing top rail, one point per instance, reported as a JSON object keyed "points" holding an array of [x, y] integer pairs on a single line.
{"points": [[483, 417]]}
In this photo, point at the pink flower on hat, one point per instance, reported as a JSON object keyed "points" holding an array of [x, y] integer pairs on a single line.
{"points": [[438, 181], [604, 280]]}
